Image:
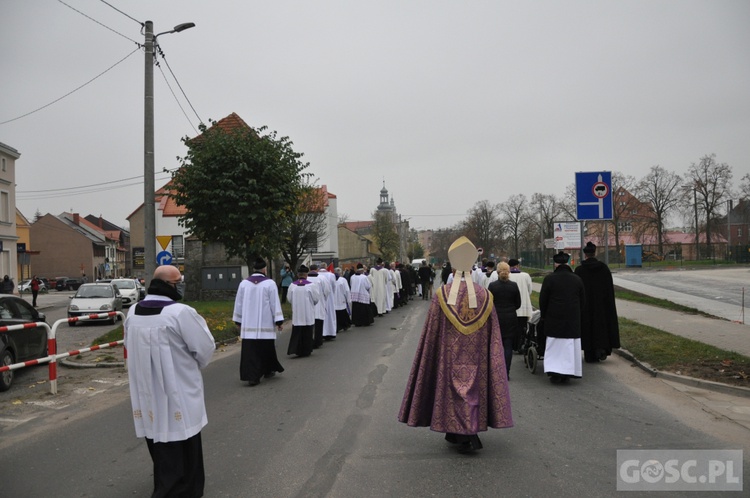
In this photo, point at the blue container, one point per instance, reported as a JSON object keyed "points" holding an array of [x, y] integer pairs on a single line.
{"points": [[633, 255]]}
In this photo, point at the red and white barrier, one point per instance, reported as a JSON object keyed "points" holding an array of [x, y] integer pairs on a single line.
{"points": [[52, 355]]}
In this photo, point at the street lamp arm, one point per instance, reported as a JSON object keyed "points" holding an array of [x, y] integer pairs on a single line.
{"points": [[177, 29]]}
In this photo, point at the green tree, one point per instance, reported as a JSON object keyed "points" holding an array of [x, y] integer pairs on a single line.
{"points": [[386, 238], [416, 251], [239, 187]]}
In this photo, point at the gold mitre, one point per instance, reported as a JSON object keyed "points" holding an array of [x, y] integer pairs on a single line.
{"points": [[462, 254]]}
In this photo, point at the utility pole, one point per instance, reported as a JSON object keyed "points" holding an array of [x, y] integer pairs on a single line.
{"points": [[149, 209], [149, 194]]}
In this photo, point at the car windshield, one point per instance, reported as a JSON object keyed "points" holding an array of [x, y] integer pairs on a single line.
{"points": [[95, 291], [124, 284]]}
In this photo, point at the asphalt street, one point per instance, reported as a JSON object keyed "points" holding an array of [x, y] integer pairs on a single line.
{"points": [[327, 427]]}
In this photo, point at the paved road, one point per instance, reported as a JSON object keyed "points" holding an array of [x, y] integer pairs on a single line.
{"points": [[327, 427], [723, 292]]}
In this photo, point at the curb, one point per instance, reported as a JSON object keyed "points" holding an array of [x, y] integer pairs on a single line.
{"points": [[683, 379]]}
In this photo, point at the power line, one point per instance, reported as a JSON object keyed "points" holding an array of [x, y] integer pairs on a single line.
{"points": [[161, 53], [175, 98], [72, 91], [101, 24], [121, 12], [83, 189]]}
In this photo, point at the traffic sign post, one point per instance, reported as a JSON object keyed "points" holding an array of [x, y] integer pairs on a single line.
{"points": [[164, 258], [594, 196]]}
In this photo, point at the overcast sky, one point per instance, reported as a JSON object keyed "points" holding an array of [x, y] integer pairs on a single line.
{"points": [[449, 102]]}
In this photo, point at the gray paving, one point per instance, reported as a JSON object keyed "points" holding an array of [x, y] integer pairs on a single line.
{"points": [[732, 403]]}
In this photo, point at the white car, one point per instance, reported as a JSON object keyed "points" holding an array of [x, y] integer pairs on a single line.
{"points": [[95, 298], [128, 290], [25, 287]]}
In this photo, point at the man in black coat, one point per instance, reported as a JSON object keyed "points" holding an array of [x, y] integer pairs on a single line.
{"points": [[600, 331], [561, 302]]}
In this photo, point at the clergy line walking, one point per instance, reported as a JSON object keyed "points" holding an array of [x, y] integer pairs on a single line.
{"points": [[258, 314]]}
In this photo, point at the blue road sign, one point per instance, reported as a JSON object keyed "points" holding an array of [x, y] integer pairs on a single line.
{"points": [[164, 258], [594, 195]]}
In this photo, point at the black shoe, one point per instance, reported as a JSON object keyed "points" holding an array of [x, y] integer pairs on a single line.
{"points": [[253, 383], [269, 375]]}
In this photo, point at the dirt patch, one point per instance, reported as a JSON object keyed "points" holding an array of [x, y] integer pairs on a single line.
{"points": [[724, 371]]}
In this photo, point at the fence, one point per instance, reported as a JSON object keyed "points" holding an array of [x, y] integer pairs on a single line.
{"points": [[52, 355]]}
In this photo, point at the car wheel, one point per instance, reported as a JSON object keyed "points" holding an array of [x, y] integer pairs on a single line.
{"points": [[6, 378]]}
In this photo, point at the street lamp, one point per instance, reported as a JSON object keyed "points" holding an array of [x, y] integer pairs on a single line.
{"points": [[149, 194]]}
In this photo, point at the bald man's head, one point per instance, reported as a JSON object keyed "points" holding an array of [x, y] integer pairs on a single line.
{"points": [[168, 273]]}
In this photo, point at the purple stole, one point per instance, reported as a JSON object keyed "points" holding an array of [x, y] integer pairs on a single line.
{"points": [[302, 281], [256, 279]]}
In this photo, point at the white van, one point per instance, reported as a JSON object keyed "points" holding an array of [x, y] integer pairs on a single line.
{"points": [[416, 263]]}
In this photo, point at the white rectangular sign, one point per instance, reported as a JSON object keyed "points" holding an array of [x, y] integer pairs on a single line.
{"points": [[567, 235]]}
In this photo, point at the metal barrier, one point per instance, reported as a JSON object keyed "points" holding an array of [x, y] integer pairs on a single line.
{"points": [[52, 355]]}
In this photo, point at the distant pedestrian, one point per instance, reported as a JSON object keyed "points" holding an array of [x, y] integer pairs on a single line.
{"points": [[303, 296], [85, 279], [425, 275], [561, 302], [36, 284], [600, 330], [287, 276], [168, 344], [507, 299], [7, 285], [257, 312]]}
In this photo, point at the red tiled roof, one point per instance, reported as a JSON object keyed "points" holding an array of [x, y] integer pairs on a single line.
{"points": [[227, 124], [358, 225], [167, 204]]}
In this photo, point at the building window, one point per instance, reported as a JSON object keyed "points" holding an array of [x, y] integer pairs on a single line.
{"points": [[178, 247], [4, 207], [739, 232], [624, 226], [3, 164]]}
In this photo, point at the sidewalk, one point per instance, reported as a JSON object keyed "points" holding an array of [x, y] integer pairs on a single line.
{"points": [[727, 401]]}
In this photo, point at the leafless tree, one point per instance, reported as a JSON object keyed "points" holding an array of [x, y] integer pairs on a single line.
{"points": [[662, 190], [711, 182], [307, 228], [546, 209], [442, 240], [484, 227], [745, 187], [514, 213]]}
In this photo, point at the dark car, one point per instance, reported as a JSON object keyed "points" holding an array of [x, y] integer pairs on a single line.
{"points": [[19, 345], [65, 283]]}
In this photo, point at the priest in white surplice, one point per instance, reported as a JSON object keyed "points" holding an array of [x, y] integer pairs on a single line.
{"points": [[325, 290], [329, 324], [257, 311], [379, 276], [303, 296], [168, 344]]}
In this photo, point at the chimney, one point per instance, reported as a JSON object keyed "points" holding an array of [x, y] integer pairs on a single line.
{"points": [[76, 218], [101, 222]]}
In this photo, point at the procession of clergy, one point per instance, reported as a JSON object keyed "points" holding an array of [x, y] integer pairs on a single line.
{"points": [[458, 383]]}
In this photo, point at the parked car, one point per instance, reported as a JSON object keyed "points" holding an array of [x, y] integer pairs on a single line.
{"points": [[95, 298], [65, 283], [25, 287], [128, 289], [19, 345]]}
